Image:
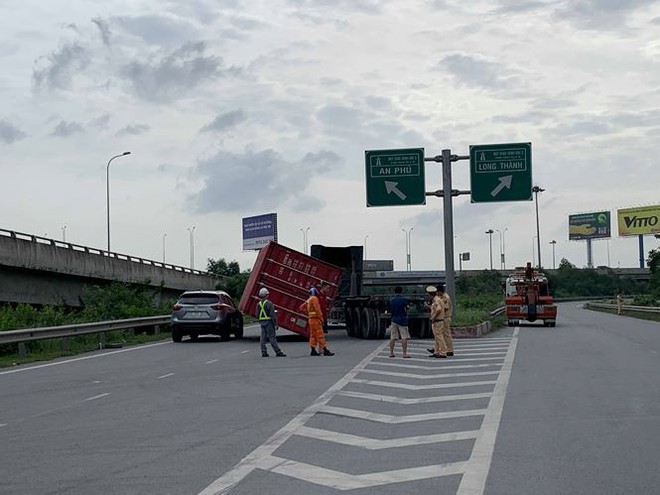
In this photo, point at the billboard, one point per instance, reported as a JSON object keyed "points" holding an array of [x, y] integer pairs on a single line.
{"points": [[594, 225], [259, 231], [378, 265], [639, 221]]}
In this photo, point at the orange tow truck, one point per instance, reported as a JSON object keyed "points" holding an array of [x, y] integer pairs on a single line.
{"points": [[527, 298]]}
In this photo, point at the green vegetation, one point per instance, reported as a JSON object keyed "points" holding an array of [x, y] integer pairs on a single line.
{"points": [[234, 281], [111, 302]]}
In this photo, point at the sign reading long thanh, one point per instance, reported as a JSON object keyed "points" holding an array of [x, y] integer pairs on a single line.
{"points": [[501, 172], [395, 177]]}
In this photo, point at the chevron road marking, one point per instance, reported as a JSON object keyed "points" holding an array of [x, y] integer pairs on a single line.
{"points": [[345, 481], [376, 444], [464, 349], [473, 480], [494, 353], [452, 359], [406, 401], [422, 387], [395, 420], [450, 367], [427, 377]]}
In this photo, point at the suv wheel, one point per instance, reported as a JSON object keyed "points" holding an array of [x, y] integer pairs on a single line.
{"points": [[237, 326], [194, 336], [176, 334]]}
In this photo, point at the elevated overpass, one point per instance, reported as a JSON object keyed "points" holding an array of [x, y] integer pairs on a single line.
{"points": [[39, 270]]}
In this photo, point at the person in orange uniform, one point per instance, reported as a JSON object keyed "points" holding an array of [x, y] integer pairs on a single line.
{"points": [[312, 307]]}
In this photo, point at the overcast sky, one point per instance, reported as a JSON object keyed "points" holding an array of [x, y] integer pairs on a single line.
{"points": [[236, 108]]}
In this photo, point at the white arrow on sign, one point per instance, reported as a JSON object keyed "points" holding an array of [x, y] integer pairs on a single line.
{"points": [[504, 182], [391, 187]]}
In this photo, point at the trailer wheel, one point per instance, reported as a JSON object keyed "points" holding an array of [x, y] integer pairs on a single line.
{"points": [[367, 324], [358, 323], [372, 316], [348, 317], [381, 325]]}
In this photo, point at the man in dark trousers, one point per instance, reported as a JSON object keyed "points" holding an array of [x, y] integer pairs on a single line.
{"points": [[268, 320]]}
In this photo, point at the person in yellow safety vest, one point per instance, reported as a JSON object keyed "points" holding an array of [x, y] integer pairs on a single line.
{"points": [[267, 317], [446, 329], [315, 320]]}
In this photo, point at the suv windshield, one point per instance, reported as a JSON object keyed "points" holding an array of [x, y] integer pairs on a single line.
{"points": [[199, 299]]}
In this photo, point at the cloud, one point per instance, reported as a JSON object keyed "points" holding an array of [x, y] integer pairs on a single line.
{"points": [[66, 129], [255, 180], [476, 72], [600, 14], [57, 69], [520, 7], [133, 130], [158, 29], [170, 75], [9, 133], [100, 122], [224, 121], [104, 30], [371, 7]]}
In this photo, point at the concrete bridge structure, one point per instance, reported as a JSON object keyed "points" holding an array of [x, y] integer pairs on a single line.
{"points": [[38, 270]]}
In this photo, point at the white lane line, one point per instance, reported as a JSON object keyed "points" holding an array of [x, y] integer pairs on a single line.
{"points": [[262, 454], [165, 376], [423, 387], [96, 397], [3, 424], [428, 356], [395, 420], [406, 401], [243, 352], [441, 362], [343, 481], [473, 482], [428, 377], [418, 367], [211, 361], [85, 358], [376, 444]]}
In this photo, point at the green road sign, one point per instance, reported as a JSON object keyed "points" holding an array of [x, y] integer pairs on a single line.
{"points": [[395, 177], [501, 172]]}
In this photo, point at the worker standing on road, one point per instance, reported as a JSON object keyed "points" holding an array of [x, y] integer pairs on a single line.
{"points": [[437, 323], [315, 324], [619, 302], [399, 326], [446, 329], [267, 317]]}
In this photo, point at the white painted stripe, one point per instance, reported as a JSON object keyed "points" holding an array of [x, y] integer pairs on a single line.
{"points": [[96, 397], [473, 481], [441, 362], [406, 401], [376, 444], [243, 352], [84, 358], [343, 481], [503, 345], [395, 420], [493, 353], [418, 367], [3, 424], [422, 387], [262, 454], [165, 376], [211, 361], [428, 377]]}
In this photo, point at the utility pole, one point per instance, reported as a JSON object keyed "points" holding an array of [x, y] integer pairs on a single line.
{"points": [[490, 245], [536, 190]]}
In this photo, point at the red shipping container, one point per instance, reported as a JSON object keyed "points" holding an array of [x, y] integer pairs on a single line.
{"points": [[288, 276]]}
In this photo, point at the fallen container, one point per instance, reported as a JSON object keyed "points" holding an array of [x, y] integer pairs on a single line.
{"points": [[288, 275]]}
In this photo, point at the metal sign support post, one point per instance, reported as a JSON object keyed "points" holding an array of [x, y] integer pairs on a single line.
{"points": [[590, 258]]}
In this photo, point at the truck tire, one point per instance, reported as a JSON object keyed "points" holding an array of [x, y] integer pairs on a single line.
{"points": [[371, 323], [381, 325], [348, 318], [367, 323], [358, 331]]}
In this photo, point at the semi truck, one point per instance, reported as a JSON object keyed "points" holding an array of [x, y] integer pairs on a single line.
{"points": [[527, 298]]}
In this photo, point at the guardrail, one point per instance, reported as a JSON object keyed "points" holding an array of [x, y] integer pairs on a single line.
{"points": [[64, 331], [625, 307]]}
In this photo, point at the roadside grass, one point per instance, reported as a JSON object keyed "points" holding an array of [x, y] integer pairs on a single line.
{"points": [[44, 350]]}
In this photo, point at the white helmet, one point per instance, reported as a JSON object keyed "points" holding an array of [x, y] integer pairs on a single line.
{"points": [[263, 292]]}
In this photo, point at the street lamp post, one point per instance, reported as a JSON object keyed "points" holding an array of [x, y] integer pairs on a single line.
{"points": [[490, 233], [192, 247], [534, 257], [364, 255], [536, 190], [304, 233], [164, 236], [553, 242], [408, 249], [107, 190], [502, 254], [64, 234]]}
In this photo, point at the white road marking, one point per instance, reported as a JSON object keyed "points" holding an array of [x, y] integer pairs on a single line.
{"points": [[96, 397], [423, 387], [406, 401], [428, 377], [3, 424], [96, 381], [165, 376], [345, 481], [396, 420], [471, 348], [263, 453], [84, 358], [441, 362], [418, 367], [211, 361], [376, 444], [473, 481], [243, 352]]}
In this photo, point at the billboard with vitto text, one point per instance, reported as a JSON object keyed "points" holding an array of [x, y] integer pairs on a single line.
{"points": [[594, 225], [639, 221], [259, 230]]}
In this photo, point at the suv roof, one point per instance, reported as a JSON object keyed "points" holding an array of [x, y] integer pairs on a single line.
{"points": [[214, 292]]}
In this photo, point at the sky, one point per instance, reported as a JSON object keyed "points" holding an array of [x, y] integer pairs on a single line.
{"points": [[237, 108]]}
